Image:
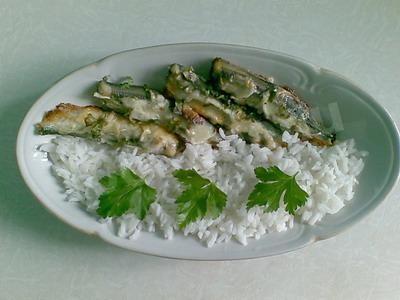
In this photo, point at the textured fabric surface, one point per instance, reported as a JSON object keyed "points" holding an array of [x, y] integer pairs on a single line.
{"points": [[41, 41]]}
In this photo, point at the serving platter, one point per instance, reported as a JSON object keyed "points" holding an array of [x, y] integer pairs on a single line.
{"points": [[349, 109]]}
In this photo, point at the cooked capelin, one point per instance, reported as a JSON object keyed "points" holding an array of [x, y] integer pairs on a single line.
{"points": [[108, 127], [107, 89], [187, 88], [144, 104], [277, 104]]}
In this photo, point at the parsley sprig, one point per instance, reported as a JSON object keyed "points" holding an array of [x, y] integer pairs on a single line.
{"points": [[273, 185], [125, 192], [200, 198]]}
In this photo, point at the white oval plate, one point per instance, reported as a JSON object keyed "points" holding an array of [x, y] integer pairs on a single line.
{"points": [[362, 117]]}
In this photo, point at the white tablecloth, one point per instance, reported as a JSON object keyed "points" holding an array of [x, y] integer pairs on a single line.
{"points": [[41, 41]]}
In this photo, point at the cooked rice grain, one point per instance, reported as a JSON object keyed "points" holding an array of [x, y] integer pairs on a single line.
{"points": [[327, 174]]}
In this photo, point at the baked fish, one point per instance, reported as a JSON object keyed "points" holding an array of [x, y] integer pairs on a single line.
{"points": [[108, 127], [187, 88], [144, 104], [277, 104]]}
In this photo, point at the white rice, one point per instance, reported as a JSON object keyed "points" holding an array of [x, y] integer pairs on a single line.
{"points": [[328, 175]]}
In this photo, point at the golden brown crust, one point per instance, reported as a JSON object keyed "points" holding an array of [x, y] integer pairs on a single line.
{"points": [[191, 115], [66, 109], [107, 127]]}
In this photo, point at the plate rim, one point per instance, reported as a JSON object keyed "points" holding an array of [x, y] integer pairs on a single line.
{"points": [[312, 238]]}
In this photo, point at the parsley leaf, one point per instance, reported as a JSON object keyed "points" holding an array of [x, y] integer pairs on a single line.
{"points": [[273, 184], [200, 198], [125, 192]]}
